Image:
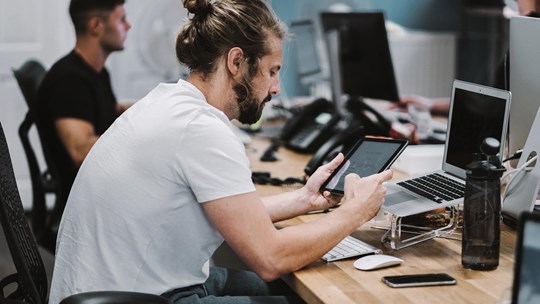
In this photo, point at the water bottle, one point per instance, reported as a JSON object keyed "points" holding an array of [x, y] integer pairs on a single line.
{"points": [[482, 209]]}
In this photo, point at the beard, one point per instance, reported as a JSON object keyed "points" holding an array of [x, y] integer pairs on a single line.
{"points": [[250, 109]]}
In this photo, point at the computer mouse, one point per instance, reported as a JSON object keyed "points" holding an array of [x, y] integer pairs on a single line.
{"points": [[376, 261]]}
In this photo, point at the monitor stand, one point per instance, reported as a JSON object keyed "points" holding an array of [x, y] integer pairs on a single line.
{"points": [[522, 190]]}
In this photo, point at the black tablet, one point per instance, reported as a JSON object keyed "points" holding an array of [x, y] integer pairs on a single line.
{"points": [[368, 156]]}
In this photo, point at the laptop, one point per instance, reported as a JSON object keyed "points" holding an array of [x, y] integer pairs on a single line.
{"points": [[526, 285], [522, 190], [476, 112]]}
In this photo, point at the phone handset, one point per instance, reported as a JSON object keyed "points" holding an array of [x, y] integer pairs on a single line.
{"points": [[340, 142], [311, 127], [374, 123]]}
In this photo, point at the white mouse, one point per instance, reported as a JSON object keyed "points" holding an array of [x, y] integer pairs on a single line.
{"points": [[376, 261]]}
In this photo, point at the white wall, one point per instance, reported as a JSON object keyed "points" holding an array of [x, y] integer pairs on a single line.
{"points": [[38, 29]]}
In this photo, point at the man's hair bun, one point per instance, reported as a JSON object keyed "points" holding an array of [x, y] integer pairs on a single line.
{"points": [[199, 8]]}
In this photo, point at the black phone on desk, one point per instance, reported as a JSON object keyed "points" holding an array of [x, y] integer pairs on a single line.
{"points": [[311, 127], [413, 280], [369, 156]]}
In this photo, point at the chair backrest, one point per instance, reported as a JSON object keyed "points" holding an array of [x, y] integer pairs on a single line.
{"points": [[31, 275], [29, 77]]}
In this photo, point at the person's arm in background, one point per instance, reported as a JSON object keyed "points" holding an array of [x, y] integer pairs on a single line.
{"points": [[529, 7], [78, 137], [440, 105], [122, 107]]}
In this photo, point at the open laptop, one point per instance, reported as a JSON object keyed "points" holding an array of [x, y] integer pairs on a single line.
{"points": [[526, 285], [476, 112]]}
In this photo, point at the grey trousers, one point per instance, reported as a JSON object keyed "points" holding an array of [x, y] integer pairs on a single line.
{"points": [[232, 287]]}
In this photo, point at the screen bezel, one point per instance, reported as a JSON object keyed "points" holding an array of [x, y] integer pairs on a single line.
{"points": [[397, 152]]}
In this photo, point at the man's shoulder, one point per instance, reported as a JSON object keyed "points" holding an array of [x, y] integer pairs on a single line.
{"points": [[69, 67]]}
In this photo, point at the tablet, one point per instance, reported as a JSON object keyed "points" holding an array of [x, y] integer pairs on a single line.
{"points": [[368, 156]]}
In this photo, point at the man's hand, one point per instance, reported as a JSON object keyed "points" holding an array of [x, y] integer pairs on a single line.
{"points": [[325, 200], [364, 196]]}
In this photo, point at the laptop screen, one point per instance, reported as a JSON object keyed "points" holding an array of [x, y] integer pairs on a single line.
{"points": [[476, 112], [526, 288]]}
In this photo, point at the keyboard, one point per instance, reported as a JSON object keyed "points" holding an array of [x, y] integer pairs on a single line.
{"points": [[349, 247], [435, 187]]}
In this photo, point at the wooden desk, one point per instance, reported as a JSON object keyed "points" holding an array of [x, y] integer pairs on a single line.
{"points": [[340, 282]]}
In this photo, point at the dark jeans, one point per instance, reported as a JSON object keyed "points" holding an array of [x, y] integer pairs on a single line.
{"points": [[232, 287]]}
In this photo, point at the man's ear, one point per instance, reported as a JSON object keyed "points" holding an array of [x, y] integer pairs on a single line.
{"points": [[95, 25], [235, 57]]}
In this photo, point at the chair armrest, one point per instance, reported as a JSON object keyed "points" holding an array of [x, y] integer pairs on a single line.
{"points": [[10, 279], [114, 297]]}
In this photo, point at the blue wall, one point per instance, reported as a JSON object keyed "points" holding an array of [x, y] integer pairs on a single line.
{"points": [[430, 15]]}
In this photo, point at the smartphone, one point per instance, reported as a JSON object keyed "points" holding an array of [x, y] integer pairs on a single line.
{"points": [[369, 155], [412, 280]]}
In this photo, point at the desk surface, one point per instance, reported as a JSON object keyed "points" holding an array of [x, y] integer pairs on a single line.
{"points": [[340, 282]]}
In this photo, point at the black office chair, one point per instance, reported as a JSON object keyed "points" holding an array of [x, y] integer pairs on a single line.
{"points": [[31, 279], [29, 77]]}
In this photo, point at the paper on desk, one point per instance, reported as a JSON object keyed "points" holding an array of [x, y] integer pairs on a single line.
{"points": [[417, 159]]}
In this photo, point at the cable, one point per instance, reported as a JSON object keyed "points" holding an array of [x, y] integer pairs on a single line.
{"points": [[516, 172], [514, 156], [270, 154], [265, 178]]}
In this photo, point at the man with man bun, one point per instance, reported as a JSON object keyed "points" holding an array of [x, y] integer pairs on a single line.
{"points": [[169, 181]]}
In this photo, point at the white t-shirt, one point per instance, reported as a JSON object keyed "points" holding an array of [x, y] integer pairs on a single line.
{"points": [[133, 220]]}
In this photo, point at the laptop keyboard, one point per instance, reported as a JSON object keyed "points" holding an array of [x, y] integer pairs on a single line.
{"points": [[435, 187], [349, 247]]}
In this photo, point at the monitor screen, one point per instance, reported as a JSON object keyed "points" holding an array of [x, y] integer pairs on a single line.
{"points": [[526, 285], [524, 78], [364, 54], [305, 43]]}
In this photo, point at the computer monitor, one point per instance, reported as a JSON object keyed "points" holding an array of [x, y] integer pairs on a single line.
{"points": [[364, 54], [332, 39], [305, 42], [526, 285], [524, 78]]}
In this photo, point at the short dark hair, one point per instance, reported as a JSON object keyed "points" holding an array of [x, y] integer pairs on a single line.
{"points": [[82, 10]]}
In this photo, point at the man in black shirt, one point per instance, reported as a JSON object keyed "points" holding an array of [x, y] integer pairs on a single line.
{"points": [[76, 103]]}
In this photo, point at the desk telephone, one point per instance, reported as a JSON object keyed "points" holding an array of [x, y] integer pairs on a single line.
{"points": [[311, 127], [318, 128]]}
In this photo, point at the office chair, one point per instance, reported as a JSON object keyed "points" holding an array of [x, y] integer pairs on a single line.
{"points": [[29, 77], [31, 278]]}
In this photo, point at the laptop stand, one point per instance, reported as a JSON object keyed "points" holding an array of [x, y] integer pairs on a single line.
{"points": [[395, 237]]}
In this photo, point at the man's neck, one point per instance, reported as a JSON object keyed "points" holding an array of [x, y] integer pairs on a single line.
{"points": [[92, 54], [216, 88]]}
